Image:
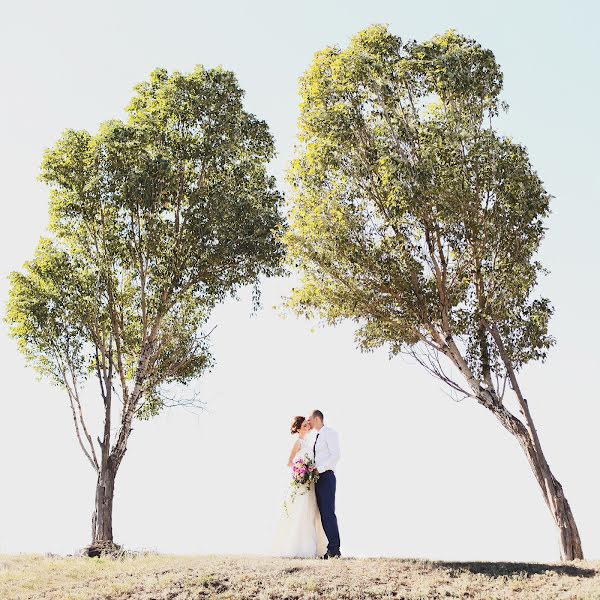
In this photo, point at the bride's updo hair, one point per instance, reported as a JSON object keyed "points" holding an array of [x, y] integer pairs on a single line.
{"points": [[296, 424]]}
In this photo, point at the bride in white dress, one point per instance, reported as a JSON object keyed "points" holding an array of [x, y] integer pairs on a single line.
{"points": [[300, 532]]}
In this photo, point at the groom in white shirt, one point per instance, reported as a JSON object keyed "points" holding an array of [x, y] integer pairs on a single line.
{"points": [[327, 453]]}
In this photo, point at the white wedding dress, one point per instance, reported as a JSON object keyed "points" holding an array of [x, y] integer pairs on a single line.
{"points": [[300, 533]]}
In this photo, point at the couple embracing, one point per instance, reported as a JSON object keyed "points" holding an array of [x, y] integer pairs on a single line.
{"points": [[308, 527]]}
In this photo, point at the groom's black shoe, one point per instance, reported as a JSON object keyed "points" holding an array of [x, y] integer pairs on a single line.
{"points": [[328, 555]]}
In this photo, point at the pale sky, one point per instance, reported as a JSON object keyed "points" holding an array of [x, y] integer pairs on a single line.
{"points": [[420, 475]]}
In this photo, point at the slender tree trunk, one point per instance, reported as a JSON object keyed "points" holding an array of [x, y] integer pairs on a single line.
{"points": [[526, 434], [569, 540], [102, 531], [552, 492]]}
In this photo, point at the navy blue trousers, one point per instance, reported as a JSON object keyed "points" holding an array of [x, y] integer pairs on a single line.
{"points": [[325, 490]]}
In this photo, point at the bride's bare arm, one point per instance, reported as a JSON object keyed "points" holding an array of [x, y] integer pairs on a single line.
{"points": [[294, 452]]}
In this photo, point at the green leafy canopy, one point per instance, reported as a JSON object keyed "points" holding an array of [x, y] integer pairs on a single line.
{"points": [[153, 221], [411, 215]]}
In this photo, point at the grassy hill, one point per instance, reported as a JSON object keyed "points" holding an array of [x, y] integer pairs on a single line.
{"points": [[159, 577]]}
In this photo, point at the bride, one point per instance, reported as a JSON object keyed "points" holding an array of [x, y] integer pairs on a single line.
{"points": [[300, 532]]}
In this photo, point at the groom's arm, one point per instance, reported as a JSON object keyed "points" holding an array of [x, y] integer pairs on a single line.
{"points": [[333, 444]]}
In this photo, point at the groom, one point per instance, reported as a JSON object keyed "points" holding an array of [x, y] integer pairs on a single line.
{"points": [[327, 453]]}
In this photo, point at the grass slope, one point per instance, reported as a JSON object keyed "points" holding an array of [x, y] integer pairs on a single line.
{"points": [[159, 577]]}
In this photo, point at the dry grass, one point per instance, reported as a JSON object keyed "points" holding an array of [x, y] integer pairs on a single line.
{"points": [[157, 577]]}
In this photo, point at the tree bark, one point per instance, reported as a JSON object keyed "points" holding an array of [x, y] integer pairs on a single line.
{"points": [[103, 513], [526, 435], [552, 491], [569, 540]]}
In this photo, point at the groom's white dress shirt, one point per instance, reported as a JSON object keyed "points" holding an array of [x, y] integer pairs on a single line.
{"points": [[327, 449]]}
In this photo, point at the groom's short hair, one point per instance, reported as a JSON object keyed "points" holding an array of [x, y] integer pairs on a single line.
{"points": [[318, 413]]}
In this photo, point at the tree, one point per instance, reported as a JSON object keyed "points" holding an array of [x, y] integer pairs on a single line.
{"points": [[414, 218], [153, 221]]}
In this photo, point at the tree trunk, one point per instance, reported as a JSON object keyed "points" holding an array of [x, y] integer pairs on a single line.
{"points": [[526, 433], [102, 518], [569, 540]]}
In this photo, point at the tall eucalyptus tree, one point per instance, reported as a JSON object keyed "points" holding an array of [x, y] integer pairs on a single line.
{"points": [[153, 221], [413, 217]]}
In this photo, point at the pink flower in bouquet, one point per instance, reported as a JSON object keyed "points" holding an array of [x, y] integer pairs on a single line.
{"points": [[304, 475]]}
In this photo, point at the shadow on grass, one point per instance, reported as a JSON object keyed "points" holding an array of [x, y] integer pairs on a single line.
{"points": [[504, 569]]}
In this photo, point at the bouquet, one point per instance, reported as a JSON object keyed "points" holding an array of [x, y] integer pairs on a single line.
{"points": [[304, 473]]}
